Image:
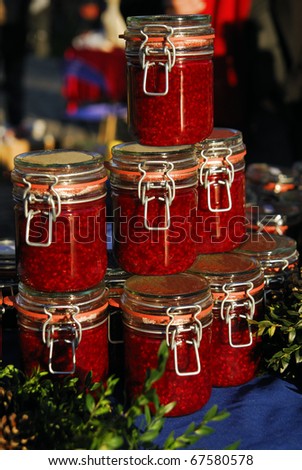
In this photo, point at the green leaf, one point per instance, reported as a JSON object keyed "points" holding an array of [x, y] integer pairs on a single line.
{"points": [[235, 445], [90, 403], [211, 413]]}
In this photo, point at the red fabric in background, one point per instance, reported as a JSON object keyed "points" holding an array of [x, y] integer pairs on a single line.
{"points": [[229, 20], [225, 12], [112, 69]]}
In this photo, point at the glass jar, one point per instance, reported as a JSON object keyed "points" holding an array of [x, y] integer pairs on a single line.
{"points": [[114, 280], [154, 196], [60, 219], [64, 333], [221, 221], [169, 78], [237, 285], [278, 257], [176, 309], [274, 216], [269, 178]]}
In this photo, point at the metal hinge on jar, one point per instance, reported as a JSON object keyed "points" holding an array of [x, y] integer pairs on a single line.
{"points": [[166, 185], [168, 51], [277, 221], [228, 304], [226, 178], [53, 333], [173, 330], [50, 198]]}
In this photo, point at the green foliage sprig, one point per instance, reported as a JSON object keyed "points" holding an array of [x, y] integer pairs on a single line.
{"points": [[281, 331], [38, 412]]}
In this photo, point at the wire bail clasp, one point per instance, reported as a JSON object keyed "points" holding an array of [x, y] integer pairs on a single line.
{"points": [[50, 198], [196, 332], [168, 51], [228, 304], [225, 175], [57, 333], [167, 185]]}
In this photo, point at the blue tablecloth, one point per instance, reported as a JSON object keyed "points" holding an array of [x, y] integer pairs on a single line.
{"points": [[266, 414]]}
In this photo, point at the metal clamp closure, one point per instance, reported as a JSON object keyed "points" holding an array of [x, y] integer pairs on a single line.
{"points": [[228, 304], [53, 333], [227, 173], [277, 221], [273, 263], [196, 332], [166, 186], [51, 198], [168, 51]]}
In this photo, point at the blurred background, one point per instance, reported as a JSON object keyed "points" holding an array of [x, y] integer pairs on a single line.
{"points": [[63, 83]]}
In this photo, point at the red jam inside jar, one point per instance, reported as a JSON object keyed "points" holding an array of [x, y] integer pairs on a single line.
{"points": [[60, 219], [65, 334], [170, 78], [154, 197], [237, 285], [176, 309], [221, 220]]}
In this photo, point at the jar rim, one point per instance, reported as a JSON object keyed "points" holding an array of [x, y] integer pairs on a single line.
{"points": [[163, 288], [222, 142], [268, 245], [57, 159], [165, 300], [38, 299], [226, 264], [139, 151], [177, 21], [132, 158]]}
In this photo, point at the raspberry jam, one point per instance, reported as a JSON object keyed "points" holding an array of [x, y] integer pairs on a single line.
{"points": [[221, 221], [60, 219], [66, 333], [169, 78], [154, 197], [237, 285], [278, 257], [176, 309]]}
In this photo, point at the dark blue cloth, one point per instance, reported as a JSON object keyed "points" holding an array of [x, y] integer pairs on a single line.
{"points": [[266, 414]]}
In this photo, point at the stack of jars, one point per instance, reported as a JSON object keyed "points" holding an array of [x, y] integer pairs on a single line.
{"points": [[178, 197], [61, 262]]}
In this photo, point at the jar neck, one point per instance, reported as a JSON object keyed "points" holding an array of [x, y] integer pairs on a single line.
{"points": [[163, 32], [140, 309], [81, 301], [155, 170]]}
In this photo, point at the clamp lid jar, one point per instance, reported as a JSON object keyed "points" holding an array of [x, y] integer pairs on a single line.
{"points": [[64, 333], [221, 221], [170, 78], [278, 257], [237, 284], [60, 219], [176, 309], [269, 178], [154, 197]]}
